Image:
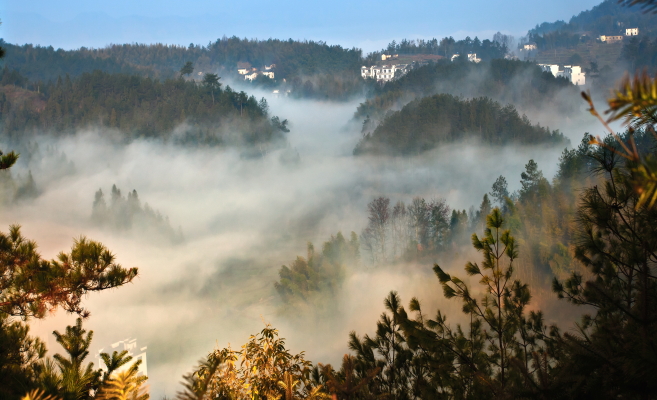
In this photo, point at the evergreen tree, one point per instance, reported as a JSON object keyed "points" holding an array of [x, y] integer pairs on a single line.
{"points": [[500, 191]]}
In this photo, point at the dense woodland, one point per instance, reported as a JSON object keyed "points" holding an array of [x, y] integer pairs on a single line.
{"points": [[589, 233], [486, 50], [307, 68], [137, 107], [424, 124]]}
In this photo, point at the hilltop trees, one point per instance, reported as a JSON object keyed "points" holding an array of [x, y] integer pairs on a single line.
{"points": [[187, 69], [424, 124], [211, 81]]}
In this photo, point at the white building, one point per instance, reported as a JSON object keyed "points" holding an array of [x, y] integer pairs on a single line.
{"points": [[243, 71], [472, 57], [268, 74], [384, 73], [571, 72], [130, 345], [251, 76], [529, 46], [631, 31], [574, 74], [611, 39]]}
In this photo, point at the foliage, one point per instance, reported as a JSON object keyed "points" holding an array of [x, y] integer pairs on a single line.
{"points": [[187, 69], [7, 160], [424, 124], [613, 352], [635, 102], [640, 52], [20, 357], [126, 385], [494, 356], [307, 278], [127, 213], [262, 369], [68, 378], [30, 285], [405, 230]]}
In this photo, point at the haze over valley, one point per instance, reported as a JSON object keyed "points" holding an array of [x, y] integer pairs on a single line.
{"points": [[296, 184]]}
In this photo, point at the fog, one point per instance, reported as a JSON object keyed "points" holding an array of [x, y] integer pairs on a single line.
{"points": [[242, 218]]}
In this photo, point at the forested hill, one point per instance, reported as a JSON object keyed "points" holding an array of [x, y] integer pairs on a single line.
{"points": [[425, 123], [137, 107], [304, 65], [485, 49], [43, 64], [507, 81], [607, 18]]}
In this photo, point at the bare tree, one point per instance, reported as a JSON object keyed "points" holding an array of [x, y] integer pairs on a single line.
{"points": [[379, 210]]}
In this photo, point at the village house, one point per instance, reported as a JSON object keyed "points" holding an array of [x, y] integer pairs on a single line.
{"points": [[529, 46], [251, 76], [631, 31], [251, 73], [573, 73], [611, 39], [384, 73], [472, 57]]}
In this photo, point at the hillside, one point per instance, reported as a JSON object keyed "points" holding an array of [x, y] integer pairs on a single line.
{"points": [[520, 83], [425, 123], [138, 107], [310, 69], [607, 18]]}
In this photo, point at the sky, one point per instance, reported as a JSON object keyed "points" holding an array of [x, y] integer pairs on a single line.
{"points": [[369, 25]]}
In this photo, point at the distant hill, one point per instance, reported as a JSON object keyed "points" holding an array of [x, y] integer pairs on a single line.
{"points": [[577, 41], [426, 123], [508, 81], [311, 69], [172, 109], [607, 18]]}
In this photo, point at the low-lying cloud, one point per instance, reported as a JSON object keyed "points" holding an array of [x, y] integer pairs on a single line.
{"points": [[242, 219]]}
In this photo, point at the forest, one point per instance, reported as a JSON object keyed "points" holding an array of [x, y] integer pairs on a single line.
{"points": [[425, 123], [308, 68], [486, 50], [137, 107]]}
